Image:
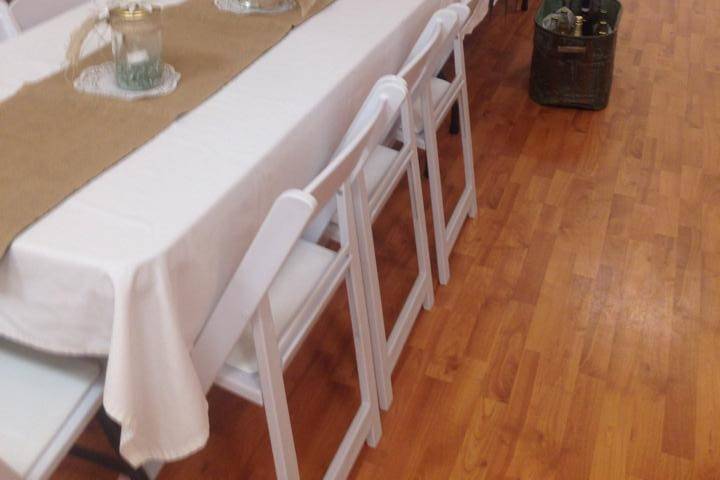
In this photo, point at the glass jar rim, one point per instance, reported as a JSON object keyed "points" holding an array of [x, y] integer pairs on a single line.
{"points": [[133, 14]]}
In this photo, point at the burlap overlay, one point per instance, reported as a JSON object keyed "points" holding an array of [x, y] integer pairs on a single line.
{"points": [[53, 140]]}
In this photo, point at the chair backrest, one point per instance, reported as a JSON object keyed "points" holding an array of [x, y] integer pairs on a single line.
{"points": [[476, 16], [432, 47], [372, 124], [352, 149], [463, 12], [392, 89], [451, 33], [415, 67], [283, 226], [8, 26], [28, 13]]}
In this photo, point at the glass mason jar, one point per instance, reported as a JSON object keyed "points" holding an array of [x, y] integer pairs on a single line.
{"points": [[137, 47], [265, 6]]}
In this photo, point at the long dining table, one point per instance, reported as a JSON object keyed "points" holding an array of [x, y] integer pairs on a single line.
{"points": [[130, 266]]}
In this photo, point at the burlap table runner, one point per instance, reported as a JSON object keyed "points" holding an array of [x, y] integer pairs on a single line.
{"points": [[53, 140]]}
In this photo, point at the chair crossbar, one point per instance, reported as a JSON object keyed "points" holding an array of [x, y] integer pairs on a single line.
{"points": [[406, 319], [445, 105], [462, 210], [351, 444], [240, 382]]}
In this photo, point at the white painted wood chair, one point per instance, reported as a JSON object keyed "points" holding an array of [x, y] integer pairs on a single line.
{"points": [[383, 171], [432, 106], [45, 403], [28, 13], [282, 285]]}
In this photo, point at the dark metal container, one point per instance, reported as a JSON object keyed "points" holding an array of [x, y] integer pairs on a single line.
{"points": [[570, 71]]}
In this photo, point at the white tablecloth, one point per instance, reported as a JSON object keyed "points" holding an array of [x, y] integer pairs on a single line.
{"points": [[131, 265]]}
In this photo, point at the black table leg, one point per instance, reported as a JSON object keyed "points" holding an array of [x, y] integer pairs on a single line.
{"points": [[455, 114], [112, 432], [455, 119], [115, 463]]}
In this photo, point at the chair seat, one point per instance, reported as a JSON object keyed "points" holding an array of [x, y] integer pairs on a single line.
{"points": [[39, 394], [438, 89], [377, 166], [296, 280]]}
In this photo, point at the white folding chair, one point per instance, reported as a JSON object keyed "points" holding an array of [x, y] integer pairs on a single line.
{"points": [[28, 13], [45, 403], [383, 171], [282, 285], [434, 102], [8, 25]]}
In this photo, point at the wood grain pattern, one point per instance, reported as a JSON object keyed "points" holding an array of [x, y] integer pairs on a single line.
{"points": [[579, 337]]}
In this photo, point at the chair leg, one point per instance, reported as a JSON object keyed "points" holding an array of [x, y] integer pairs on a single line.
{"points": [[274, 394], [421, 236], [363, 355], [436, 195], [112, 433], [373, 299], [358, 310], [111, 463], [468, 159]]}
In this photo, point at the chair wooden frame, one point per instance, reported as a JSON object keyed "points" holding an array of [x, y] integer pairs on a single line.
{"points": [[245, 303]]}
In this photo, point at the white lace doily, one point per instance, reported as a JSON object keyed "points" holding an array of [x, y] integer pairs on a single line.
{"points": [[244, 6], [100, 80]]}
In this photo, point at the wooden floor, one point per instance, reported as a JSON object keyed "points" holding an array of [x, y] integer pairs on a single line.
{"points": [[579, 337]]}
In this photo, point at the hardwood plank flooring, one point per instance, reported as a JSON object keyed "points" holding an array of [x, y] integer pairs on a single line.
{"points": [[579, 337]]}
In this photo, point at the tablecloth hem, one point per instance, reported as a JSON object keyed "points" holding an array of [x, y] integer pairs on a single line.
{"points": [[36, 344], [137, 457]]}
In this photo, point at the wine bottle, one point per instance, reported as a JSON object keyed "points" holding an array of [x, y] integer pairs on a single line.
{"points": [[579, 23], [588, 22], [602, 27]]}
